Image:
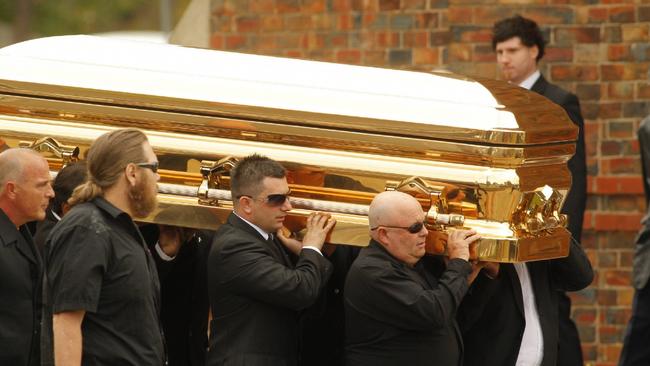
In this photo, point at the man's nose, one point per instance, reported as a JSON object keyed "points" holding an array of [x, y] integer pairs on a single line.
{"points": [[286, 206]]}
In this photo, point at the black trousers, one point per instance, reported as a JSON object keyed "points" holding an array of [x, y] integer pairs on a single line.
{"points": [[636, 349]]}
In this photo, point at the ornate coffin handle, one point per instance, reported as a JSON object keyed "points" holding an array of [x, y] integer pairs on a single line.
{"points": [[538, 211], [67, 153], [213, 173], [434, 193]]}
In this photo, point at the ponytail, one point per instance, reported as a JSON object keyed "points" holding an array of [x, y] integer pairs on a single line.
{"points": [[85, 192]]}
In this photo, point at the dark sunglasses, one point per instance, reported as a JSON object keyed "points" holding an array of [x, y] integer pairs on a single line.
{"points": [[273, 200], [413, 229], [153, 166]]}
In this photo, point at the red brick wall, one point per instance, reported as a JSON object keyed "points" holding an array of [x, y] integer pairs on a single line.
{"points": [[598, 49]]}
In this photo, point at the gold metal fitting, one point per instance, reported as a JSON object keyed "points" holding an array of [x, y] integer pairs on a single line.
{"points": [[433, 196], [67, 153], [539, 211], [213, 174]]}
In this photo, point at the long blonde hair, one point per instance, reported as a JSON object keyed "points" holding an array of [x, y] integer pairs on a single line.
{"points": [[106, 160]]}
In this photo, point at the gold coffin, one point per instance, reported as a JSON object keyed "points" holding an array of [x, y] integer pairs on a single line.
{"points": [[476, 153]]}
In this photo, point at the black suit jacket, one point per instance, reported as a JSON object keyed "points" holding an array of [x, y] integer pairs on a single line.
{"points": [[183, 297], [491, 316], [397, 315], [256, 293], [21, 271]]}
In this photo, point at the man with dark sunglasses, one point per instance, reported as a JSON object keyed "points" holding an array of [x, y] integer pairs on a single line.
{"points": [[104, 289], [398, 310], [257, 284]]}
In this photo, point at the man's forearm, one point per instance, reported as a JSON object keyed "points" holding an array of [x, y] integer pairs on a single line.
{"points": [[67, 338]]}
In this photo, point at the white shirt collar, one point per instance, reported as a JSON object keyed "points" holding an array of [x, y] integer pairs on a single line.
{"points": [[57, 217], [530, 81], [264, 234]]}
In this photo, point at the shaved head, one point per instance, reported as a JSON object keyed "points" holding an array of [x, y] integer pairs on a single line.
{"points": [[13, 163], [388, 207], [391, 216]]}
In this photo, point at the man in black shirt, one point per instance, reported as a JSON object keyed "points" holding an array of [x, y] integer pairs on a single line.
{"points": [[397, 311], [24, 194], [104, 285]]}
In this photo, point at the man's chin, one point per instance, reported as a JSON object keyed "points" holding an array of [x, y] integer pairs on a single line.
{"points": [[39, 217], [144, 212]]}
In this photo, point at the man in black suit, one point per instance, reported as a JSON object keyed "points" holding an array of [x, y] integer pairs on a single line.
{"points": [[25, 190], [515, 318], [397, 311], [512, 319], [181, 255], [519, 46], [257, 284], [635, 347]]}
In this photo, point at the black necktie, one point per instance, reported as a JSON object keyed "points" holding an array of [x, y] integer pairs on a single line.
{"points": [[279, 248]]}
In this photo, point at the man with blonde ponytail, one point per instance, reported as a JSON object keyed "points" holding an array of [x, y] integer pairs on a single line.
{"points": [[25, 191], [104, 285]]}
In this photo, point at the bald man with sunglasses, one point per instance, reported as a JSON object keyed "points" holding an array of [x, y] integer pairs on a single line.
{"points": [[400, 310], [258, 279]]}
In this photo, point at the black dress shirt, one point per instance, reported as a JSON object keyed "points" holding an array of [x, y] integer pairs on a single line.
{"points": [[98, 262], [398, 315], [21, 271]]}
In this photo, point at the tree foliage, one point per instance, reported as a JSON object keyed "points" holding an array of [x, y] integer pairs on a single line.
{"points": [[57, 17]]}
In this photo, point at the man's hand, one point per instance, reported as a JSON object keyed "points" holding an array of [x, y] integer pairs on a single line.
{"points": [[458, 242], [491, 269], [170, 239], [294, 245], [476, 268], [318, 226]]}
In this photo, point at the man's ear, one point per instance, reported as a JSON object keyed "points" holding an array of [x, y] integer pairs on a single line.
{"points": [[65, 207], [10, 190], [382, 236], [130, 174], [245, 204], [534, 51]]}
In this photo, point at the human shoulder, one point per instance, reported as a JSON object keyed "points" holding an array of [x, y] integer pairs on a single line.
{"points": [[557, 94], [228, 232], [230, 240], [84, 221], [8, 232], [371, 265]]}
